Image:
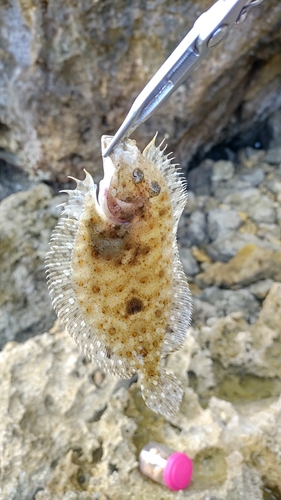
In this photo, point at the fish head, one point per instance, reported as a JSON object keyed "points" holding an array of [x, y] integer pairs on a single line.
{"points": [[128, 185]]}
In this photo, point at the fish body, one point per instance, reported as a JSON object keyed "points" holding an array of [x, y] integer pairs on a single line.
{"points": [[114, 274]]}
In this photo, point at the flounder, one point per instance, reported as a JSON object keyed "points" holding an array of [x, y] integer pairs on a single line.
{"points": [[114, 273]]}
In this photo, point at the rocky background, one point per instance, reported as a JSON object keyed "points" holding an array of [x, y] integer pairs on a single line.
{"points": [[69, 72]]}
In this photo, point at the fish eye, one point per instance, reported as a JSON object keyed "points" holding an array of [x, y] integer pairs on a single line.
{"points": [[138, 175], [154, 188]]}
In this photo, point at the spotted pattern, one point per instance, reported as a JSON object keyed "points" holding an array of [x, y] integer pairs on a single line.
{"points": [[122, 271], [114, 274]]}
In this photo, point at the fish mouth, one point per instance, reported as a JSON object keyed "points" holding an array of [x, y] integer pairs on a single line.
{"points": [[112, 207]]}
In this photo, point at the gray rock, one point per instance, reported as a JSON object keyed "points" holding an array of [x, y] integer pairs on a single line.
{"points": [[202, 311], [194, 203], [259, 207], [222, 171], [210, 204], [229, 301], [273, 156], [274, 123], [199, 179], [196, 232], [12, 179], [251, 156], [26, 221], [220, 222], [190, 265], [261, 288], [274, 185], [225, 247], [242, 199], [253, 177], [278, 215], [262, 211], [223, 189]]}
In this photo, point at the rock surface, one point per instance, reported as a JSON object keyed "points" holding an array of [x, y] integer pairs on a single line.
{"points": [[68, 431], [70, 71], [26, 221], [250, 264], [233, 224]]}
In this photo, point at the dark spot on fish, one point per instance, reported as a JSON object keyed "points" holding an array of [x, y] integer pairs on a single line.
{"points": [[94, 252], [138, 175], [154, 188], [143, 352], [144, 250], [134, 305]]}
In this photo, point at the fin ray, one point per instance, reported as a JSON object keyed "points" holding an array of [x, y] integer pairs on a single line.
{"points": [[58, 273], [165, 396]]}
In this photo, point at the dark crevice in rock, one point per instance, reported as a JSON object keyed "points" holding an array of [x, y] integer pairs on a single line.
{"points": [[12, 178], [97, 454], [112, 468], [257, 136], [271, 492], [97, 415]]}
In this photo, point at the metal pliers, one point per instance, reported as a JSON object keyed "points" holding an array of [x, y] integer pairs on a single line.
{"points": [[209, 30]]}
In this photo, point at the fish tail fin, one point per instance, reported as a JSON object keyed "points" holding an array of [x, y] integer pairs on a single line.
{"points": [[164, 394]]}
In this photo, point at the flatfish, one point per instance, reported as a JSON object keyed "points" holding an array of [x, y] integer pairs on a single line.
{"points": [[114, 273]]}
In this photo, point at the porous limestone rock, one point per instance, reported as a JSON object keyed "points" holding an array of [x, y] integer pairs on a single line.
{"points": [[27, 219], [71, 70], [241, 360], [69, 431], [251, 263]]}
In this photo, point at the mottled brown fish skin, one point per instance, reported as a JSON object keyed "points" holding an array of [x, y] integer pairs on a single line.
{"points": [[122, 271], [114, 273]]}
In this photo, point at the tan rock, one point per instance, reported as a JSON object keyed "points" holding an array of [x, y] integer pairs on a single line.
{"points": [[27, 219], [250, 264], [200, 255], [241, 362], [64, 437]]}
